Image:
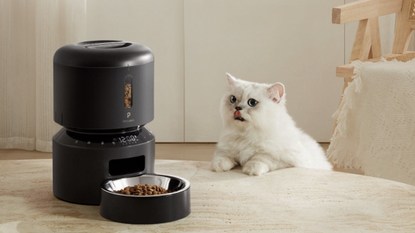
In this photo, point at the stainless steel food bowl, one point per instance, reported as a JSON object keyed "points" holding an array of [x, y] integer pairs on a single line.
{"points": [[146, 209]]}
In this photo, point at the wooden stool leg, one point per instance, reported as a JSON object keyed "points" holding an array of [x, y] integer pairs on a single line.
{"points": [[403, 28]]}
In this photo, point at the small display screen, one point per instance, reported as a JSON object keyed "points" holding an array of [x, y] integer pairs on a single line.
{"points": [[128, 139]]}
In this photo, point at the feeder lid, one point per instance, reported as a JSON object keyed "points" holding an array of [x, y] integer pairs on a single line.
{"points": [[103, 53]]}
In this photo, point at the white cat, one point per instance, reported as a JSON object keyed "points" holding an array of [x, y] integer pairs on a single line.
{"points": [[258, 133]]}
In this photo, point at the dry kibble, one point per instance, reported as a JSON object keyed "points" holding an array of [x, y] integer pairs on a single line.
{"points": [[127, 95], [143, 190]]}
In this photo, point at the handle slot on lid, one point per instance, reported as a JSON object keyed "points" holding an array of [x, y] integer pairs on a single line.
{"points": [[106, 44]]}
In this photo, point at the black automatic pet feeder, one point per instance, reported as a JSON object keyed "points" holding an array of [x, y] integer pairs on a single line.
{"points": [[103, 97]]}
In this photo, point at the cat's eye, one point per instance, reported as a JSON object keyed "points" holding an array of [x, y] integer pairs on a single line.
{"points": [[233, 99], [252, 102]]}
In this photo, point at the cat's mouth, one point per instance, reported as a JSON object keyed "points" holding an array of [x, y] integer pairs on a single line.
{"points": [[239, 118]]}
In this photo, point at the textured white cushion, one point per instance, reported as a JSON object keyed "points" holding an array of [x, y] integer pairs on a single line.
{"points": [[376, 121]]}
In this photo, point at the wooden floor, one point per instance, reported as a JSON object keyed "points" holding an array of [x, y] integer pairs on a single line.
{"points": [[173, 151]]}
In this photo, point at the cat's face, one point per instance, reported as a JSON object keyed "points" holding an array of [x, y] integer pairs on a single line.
{"points": [[248, 103]]}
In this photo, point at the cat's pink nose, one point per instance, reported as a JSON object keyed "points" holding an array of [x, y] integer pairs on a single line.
{"points": [[237, 114]]}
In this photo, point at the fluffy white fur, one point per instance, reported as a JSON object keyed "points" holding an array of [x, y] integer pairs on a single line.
{"points": [[268, 138]]}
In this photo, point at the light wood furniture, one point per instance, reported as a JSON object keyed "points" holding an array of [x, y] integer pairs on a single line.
{"points": [[287, 200], [366, 46]]}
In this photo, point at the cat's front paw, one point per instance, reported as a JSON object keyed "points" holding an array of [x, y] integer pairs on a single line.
{"points": [[255, 168], [222, 164]]}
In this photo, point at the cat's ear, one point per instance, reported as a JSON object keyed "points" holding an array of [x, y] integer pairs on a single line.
{"points": [[276, 92], [231, 80]]}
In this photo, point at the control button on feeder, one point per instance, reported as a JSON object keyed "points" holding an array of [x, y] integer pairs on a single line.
{"points": [[88, 143], [113, 143], [102, 143], [76, 141]]}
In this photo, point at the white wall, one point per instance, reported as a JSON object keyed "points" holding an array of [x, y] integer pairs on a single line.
{"points": [[196, 41], [288, 41]]}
